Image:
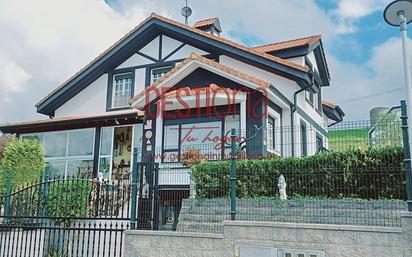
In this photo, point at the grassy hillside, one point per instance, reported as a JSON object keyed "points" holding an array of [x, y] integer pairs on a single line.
{"points": [[348, 138]]}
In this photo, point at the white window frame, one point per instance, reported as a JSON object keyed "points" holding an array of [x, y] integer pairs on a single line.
{"points": [[66, 158], [112, 147], [277, 132], [123, 91], [152, 73]]}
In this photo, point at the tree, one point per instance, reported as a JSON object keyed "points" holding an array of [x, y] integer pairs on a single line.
{"points": [[23, 161], [4, 141]]}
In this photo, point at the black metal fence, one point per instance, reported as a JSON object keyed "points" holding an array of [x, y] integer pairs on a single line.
{"points": [[354, 175], [56, 217], [349, 173]]}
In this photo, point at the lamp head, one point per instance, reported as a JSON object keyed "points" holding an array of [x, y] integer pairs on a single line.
{"points": [[392, 11]]}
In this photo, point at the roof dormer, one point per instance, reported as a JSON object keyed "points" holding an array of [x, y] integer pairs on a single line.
{"points": [[209, 25]]}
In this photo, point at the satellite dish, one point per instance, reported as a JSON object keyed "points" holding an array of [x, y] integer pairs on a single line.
{"points": [[186, 12]]}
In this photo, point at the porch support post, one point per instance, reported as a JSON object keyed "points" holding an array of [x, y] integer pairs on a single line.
{"points": [[242, 119], [233, 175], [407, 154], [9, 188]]}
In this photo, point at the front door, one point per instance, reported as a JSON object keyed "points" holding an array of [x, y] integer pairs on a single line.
{"points": [[122, 153]]}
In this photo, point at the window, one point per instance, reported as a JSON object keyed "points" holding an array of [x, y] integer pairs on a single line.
{"points": [[309, 96], [122, 90], [231, 122], [55, 144], [37, 137], [81, 142], [159, 72], [106, 141], [271, 138], [171, 143], [319, 143], [68, 153], [205, 137], [303, 139], [319, 100], [171, 140]]}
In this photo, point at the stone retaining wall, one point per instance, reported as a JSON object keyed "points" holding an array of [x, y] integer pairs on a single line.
{"points": [[335, 240], [207, 215]]}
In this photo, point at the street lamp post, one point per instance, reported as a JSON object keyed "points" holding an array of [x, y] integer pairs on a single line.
{"points": [[399, 14]]}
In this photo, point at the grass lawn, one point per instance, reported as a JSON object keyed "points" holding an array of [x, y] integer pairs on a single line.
{"points": [[348, 138]]}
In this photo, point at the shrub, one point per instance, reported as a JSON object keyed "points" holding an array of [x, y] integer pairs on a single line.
{"points": [[191, 157], [4, 141], [68, 199], [23, 160], [373, 173]]}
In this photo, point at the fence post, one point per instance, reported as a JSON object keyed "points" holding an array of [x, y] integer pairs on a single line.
{"points": [[233, 175], [133, 212], [44, 186], [407, 154], [9, 188]]}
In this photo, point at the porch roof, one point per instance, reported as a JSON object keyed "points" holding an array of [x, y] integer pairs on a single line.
{"points": [[194, 57], [122, 117]]}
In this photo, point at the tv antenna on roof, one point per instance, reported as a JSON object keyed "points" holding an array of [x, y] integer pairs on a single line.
{"points": [[186, 12]]}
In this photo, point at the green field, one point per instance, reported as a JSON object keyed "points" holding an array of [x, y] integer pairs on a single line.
{"points": [[348, 138]]}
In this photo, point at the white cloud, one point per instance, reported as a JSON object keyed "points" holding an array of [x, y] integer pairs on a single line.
{"points": [[45, 42], [380, 79], [348, 12], [13, 77], [49, 40]]}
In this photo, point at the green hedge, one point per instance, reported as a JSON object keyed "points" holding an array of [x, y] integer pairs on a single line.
{"points": [[68, 199], [374, 173], [23, 161]]}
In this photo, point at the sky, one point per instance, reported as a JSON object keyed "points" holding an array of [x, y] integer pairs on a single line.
{"points": [[45, 42]]}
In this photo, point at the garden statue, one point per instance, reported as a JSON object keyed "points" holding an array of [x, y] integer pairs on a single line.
{"points": [[282, 188]]}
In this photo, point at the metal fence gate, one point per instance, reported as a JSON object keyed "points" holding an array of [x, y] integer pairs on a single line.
{"points": [[65, 218], [147, 207]]}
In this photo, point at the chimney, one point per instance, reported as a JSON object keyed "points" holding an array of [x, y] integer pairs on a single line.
{"points": [[211, 26]]}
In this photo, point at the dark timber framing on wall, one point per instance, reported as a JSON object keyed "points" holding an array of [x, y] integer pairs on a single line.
{"points": [[142, 35]]}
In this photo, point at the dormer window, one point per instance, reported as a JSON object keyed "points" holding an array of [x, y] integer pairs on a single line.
{"points": [[122, 90], [159, 72]]}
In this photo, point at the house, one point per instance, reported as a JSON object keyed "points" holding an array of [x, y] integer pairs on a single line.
{"points": [[166, 87]]}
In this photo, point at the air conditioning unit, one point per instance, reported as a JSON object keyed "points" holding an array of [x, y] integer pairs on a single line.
{"points": [[264, 251]]}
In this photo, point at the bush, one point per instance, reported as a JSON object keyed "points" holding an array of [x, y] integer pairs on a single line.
{"points": [[68, 199], [373, 173], [23, 160], [191, 157], [4, 141]]}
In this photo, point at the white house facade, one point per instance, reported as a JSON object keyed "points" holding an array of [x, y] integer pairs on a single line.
{"points": [[166, 87]]}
